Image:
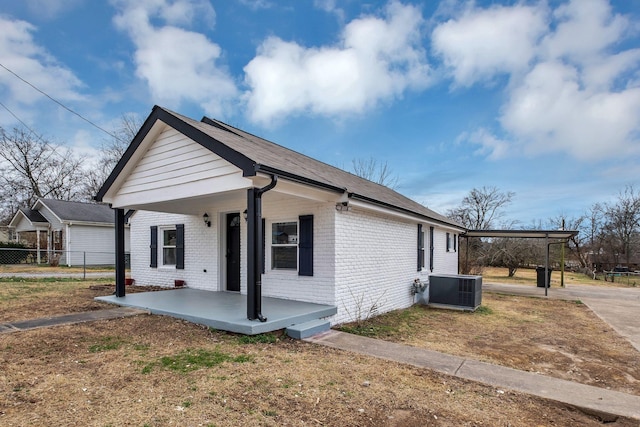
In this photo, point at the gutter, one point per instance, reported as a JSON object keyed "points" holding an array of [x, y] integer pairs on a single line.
{"points": [[255, 249]]}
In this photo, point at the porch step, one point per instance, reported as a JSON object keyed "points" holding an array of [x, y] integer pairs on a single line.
{"points": [[308, 329]]}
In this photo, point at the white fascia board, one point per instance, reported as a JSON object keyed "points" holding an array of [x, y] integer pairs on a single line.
{"points": [[296, 189], [400, 215]]}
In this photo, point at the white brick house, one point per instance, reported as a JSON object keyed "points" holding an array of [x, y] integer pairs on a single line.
{"points": [[277, 223]]}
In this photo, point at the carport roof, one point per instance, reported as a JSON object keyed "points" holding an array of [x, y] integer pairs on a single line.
{"points": [[529, 234]]}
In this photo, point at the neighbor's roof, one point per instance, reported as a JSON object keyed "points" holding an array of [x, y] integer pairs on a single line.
{"points": [[253, 155], [78, 211], [33, 215], [529, 234]]}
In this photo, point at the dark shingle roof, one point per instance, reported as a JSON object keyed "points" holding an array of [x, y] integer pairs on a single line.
{"points": [[253, 154], [33, 215], [274, 156], [80, 211]]}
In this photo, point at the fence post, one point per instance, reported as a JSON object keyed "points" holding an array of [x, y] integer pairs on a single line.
{"points": [[84, 265]]}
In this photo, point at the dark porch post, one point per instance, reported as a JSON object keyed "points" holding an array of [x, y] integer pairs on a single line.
{"points": [[253, 294], [120, 267]]}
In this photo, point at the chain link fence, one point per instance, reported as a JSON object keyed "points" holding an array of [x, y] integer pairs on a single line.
{"points": [[18, 256]]}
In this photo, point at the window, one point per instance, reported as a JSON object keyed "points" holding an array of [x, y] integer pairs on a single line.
{"points": [[451, 242], [169, 239], [171, 246], [431, 247], [284, 246]]}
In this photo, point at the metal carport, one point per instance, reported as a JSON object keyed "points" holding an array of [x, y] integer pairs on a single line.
{"points": [[560, 236]]}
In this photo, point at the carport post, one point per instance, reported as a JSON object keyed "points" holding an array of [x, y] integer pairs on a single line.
{"points": [[546, 265], [120, 267]]}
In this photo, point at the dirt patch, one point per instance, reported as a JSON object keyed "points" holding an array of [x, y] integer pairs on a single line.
{"points": [[23, 298], [156, 371], [563, 339]]}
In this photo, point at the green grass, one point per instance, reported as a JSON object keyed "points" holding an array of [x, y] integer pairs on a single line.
{"points": [[194, 359], [484, 310], [258, 339], [106, 344]]}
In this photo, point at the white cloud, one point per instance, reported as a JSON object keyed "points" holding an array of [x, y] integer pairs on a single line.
{"points": [[552, 111], [376, 59], [177, 64], [571, 87], [22, 55], [482, 43]]}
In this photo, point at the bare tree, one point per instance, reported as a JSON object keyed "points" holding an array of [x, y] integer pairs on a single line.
{"points": [[33, 167], [622, 222], [479, 210], [111, 152], [370, 169]]}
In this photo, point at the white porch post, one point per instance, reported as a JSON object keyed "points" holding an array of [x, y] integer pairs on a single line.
{"points": [[37, 246]]}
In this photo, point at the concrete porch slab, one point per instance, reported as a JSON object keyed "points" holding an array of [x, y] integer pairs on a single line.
{"points": [[226, 311]]}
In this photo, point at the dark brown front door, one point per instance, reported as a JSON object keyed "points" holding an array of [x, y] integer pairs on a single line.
{"points": [[233, 252]]}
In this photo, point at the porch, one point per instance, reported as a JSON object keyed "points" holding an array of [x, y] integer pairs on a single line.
{"points": [[225, 311]]}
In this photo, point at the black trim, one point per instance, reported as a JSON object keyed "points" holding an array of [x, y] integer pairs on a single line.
{"points": [[153, 263], [296, 178], [120, 258], [431, 247], [420, 248], [179, 246], [264, 243], [305, 245], [212, 144]]}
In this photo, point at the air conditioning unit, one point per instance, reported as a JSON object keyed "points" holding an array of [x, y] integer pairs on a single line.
{"points": [[461, 292]]}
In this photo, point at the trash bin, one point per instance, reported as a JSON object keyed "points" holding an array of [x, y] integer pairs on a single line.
{"points": [[540, 274]]}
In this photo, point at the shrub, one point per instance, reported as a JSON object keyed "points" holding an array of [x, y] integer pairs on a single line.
{"points": [[16, 256]]}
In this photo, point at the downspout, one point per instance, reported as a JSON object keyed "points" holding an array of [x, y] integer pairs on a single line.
{"points": [[255, 248]]}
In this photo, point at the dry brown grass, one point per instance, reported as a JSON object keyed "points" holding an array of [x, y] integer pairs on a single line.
{"points": [[563, 339], [528, 276], [119, 372]]}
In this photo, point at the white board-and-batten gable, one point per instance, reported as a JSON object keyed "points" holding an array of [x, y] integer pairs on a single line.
{"points": [[171, 166]]}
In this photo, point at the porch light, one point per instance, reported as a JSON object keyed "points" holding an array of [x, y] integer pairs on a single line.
{"points": [[245, 214], [343, 207], [205, 217]]}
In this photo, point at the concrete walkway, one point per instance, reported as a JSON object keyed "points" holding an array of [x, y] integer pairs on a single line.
{"points": [[70, 319], [604, 403], [619, 307]]}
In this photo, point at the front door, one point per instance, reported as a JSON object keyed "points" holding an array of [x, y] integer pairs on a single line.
{"points": [[233, 252]]}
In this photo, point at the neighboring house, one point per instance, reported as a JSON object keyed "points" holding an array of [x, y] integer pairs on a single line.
{"points": [[5, 233], [75, 232], [225, 210]]}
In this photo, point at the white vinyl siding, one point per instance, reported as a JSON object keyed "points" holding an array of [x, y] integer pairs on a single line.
{"points": [[175, 164]]}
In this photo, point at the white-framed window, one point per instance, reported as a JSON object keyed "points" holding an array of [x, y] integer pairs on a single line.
{"points": [[169, 237], [451, 242], [284, 245]]}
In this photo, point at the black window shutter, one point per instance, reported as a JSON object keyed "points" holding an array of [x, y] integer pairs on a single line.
{"points": [[154, 247], [420, 248], [264, 243], [431, 248], [448, 242], [180, 246], [455, 242], [305, 246]]}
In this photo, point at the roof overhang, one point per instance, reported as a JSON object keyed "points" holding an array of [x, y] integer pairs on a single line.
{"points": [[523, 234]]}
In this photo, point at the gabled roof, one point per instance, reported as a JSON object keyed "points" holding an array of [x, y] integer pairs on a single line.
{"points": [[67, 211], [33, 216], [254, 155]]}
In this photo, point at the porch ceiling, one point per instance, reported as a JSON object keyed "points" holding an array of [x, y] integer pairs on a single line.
{"points": [[223, 310]]}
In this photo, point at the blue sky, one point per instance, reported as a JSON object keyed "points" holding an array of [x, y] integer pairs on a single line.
{"points": [[541, 98]]}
